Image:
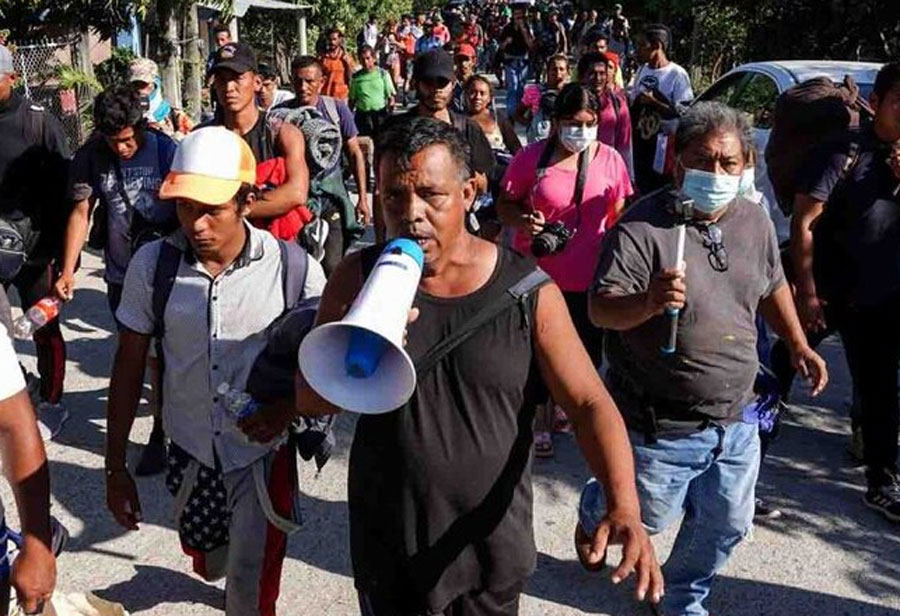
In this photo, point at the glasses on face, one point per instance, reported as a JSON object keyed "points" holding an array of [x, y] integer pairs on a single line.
{"points": [[712, 241]]}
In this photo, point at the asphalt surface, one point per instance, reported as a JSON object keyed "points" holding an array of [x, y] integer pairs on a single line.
{"points": [[827, 556]]}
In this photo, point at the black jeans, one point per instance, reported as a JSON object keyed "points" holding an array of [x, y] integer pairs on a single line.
{"points": [[34, 282], [872, 344]]}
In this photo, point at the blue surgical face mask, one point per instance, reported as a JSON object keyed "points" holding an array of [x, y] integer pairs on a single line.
{"points": [[747, 186], [709, 191]]}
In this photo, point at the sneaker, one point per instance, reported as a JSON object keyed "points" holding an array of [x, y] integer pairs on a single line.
{"points": [[856, 448], [153, 457], [762, 511], [885, 499], [50, 419]]}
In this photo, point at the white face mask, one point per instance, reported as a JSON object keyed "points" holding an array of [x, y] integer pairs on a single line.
{"points": [[576, 139], [747, 187]]}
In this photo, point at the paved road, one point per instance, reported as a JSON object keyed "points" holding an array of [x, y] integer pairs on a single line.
{"points": [[828, 556]]}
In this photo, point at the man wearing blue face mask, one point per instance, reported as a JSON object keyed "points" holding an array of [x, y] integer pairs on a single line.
{"points": [[696, 451]]}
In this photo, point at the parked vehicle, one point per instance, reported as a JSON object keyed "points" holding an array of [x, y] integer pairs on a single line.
{"points": [[753, 88]]}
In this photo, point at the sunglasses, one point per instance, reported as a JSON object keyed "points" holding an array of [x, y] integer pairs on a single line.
{"points": [[712, 241]]}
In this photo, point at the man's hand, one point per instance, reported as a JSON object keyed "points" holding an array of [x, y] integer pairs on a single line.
{"points": [[811, 311], [122, 499], [33, 575], [64, 288], [269, 422], [811, 366], [667, 290], [363, 211], [638, 556]]}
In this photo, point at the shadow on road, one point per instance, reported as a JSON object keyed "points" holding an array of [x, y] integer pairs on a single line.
{"points": [[151, 586], [564, 582]]}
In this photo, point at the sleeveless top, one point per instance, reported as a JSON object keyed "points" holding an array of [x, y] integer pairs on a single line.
{"points": [[262, 141], [440, 490]]}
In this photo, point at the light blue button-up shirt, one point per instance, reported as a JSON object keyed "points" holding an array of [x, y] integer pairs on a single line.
{"points": [[214, 330]]}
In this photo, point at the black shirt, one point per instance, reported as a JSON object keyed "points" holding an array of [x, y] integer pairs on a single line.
{"points": [[440, 490], [857, 240], [518, 47], [480, 156], [34, 170]]}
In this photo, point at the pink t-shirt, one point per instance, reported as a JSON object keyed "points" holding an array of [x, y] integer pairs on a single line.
{"points": [[607, 183], [531, 97]]}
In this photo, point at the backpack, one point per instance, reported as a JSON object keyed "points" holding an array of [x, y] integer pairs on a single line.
{"points": [[322, 135], [539, 128], [807, 115], [272, 375]]}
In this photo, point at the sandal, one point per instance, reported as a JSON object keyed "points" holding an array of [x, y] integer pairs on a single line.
{"points": [[543, 445], [561, 423]]}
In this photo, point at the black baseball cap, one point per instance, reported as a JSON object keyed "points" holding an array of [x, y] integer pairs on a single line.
{"points": [[238, 57], [433, 64], [266, 71]]}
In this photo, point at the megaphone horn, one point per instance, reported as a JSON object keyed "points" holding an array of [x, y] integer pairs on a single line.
{"points": [[358, 363]]}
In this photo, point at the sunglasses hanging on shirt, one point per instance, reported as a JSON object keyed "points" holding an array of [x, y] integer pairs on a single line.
{"points": [[712, 241]]}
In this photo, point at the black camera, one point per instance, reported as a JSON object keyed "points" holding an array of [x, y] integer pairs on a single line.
{"points": [[551, 240]]}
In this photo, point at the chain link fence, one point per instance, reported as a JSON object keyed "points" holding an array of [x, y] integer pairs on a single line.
{"points": [[38, 66]]}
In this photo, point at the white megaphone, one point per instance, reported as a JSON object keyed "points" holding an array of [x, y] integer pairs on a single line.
{"points": [[358, 364]]}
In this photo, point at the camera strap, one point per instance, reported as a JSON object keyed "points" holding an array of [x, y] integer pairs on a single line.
{"points": [[580, 181]]}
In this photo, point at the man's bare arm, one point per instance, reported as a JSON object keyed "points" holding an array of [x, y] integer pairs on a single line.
{"points": [[600, 432], [125, 388], [76, 234], [358, 162]]}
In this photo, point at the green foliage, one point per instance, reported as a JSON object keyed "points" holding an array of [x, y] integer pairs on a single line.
{"points": [[114, 70], [71, 78], [28, 19]]}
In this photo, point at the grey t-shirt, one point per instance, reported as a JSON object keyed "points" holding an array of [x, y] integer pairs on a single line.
{"points": [[711, 374]]}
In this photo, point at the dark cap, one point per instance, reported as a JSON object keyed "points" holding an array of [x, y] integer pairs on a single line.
{"points": [[433, 64], [238, 57], [266, 71]]}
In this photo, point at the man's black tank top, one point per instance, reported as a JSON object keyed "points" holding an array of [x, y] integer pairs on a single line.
{"points": [[260, 138], [440, 490]]}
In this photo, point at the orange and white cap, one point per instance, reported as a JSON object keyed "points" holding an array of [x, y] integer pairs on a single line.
{"points": [[209, 167]]}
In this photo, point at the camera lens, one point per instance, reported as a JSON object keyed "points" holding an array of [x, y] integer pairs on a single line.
{"points": [[543, 245]]}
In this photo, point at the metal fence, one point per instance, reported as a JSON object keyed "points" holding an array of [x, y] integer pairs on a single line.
{"points": [[38, 66]]}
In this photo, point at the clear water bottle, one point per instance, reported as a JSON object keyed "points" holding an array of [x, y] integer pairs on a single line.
{"points": [[237, 403], [35, 318]]}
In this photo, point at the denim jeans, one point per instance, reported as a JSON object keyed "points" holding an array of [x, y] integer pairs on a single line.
{"points": [[708, 476], [516, 71]]}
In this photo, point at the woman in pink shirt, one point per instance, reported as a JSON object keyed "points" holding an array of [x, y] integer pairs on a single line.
{"points": [[539, 195]]}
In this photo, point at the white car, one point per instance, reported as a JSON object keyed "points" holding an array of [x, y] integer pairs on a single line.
{"points": [[753, 88]]}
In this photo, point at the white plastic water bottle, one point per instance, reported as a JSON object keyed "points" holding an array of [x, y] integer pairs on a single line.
{"points": [[35, 318], [239, 404]]}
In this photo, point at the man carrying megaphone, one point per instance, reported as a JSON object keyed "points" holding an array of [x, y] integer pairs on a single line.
{"points": [[440, 488]]}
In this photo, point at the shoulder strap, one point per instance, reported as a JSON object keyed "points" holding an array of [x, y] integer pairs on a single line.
{"points": [[513, 296], [583, 166], [294, 264], [332, 110], [163, 280]]}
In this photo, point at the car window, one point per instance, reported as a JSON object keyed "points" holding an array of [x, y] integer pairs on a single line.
{"points": [[757, 98], [723, 91]]}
